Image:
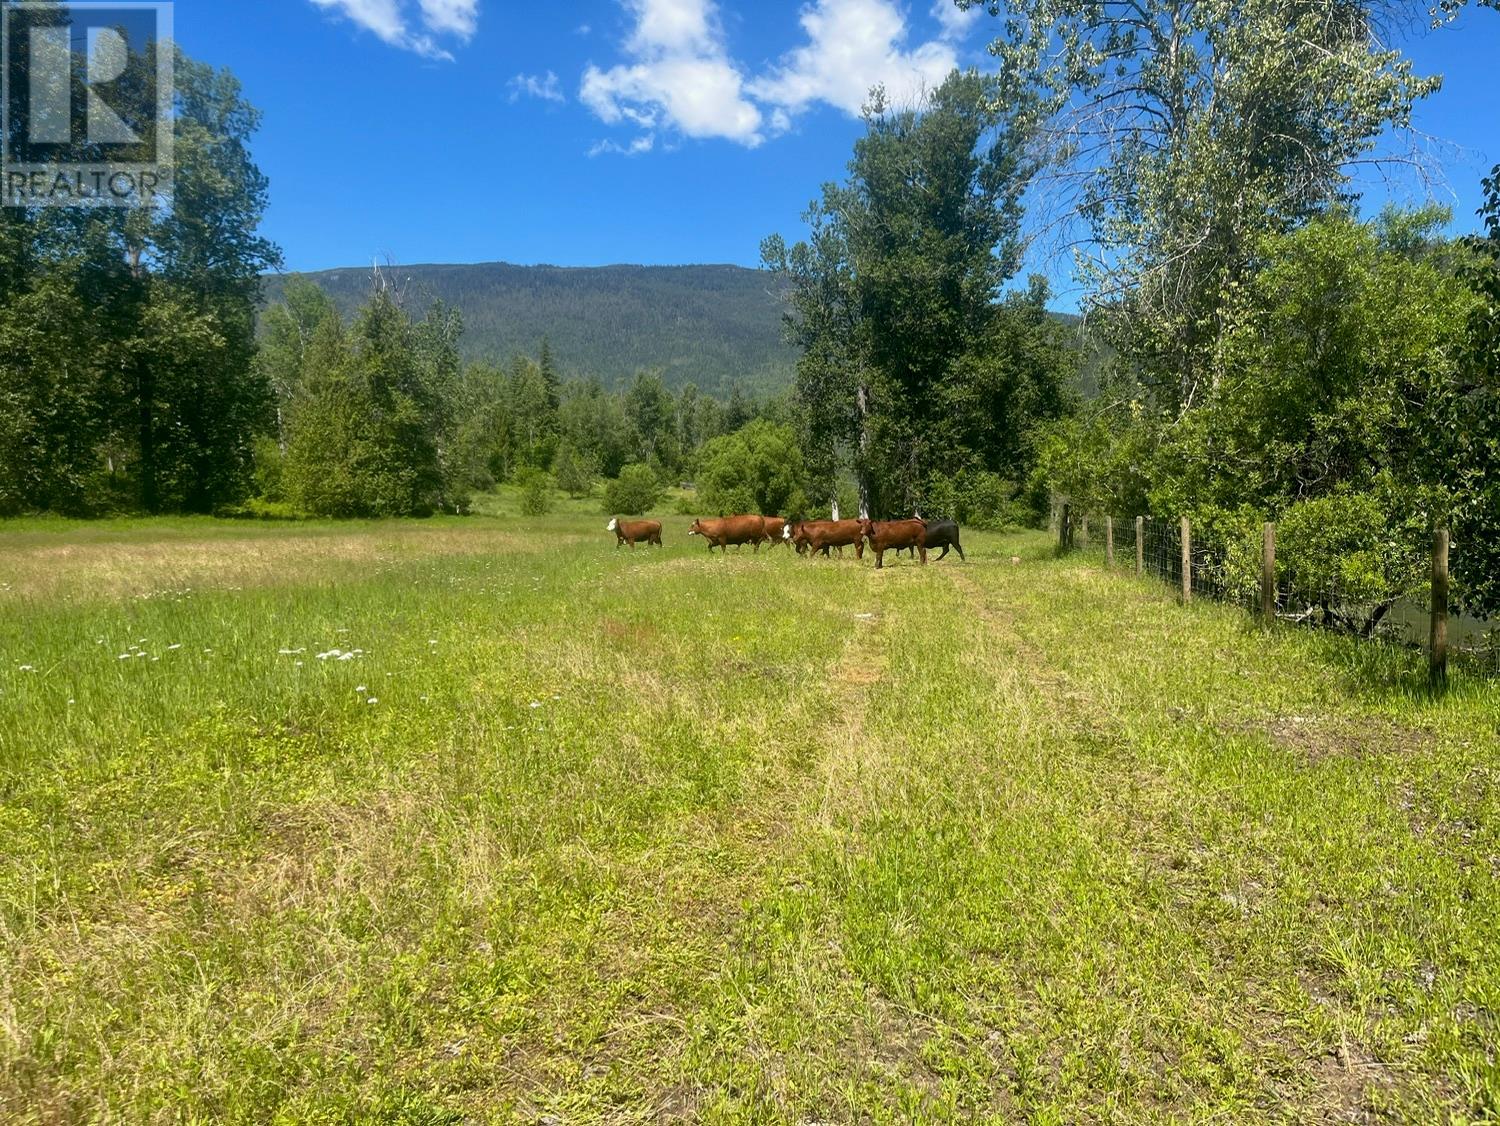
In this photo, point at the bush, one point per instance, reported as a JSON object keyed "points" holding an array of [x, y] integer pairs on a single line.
{"points": [[990, 502], [536, 492], [756, 469], [1227, 545], [575, 473], [1351, 554], [635, 492]]}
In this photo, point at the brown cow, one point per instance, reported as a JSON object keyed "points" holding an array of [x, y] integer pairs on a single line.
{"points": [[895, 534], [813, 536], [776, 529], [726, 530], [629, 531]]}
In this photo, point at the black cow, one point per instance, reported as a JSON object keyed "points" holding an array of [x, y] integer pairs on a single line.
{"points": [[943, 534]]}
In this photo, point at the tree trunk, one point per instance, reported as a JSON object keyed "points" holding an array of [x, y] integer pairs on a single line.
{"points": [[862, 471], [145, 384]]}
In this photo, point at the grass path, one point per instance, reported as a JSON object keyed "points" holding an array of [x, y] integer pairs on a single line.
{"points": [[643, 837]]}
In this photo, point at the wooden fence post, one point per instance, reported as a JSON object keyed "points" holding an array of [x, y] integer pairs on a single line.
{"points": [[1268, 576], [1140, 546], [1109, 541], [1438, 666], [1065, 529], [1187, 560]]}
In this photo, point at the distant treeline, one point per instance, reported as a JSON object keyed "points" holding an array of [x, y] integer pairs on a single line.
{"points": [[383, 417]]}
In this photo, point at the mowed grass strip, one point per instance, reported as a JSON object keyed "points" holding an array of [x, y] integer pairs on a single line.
{"points": [[649, 836]]}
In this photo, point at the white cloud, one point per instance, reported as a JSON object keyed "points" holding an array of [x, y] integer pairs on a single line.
{"points": [[680, 76], [451, 17], [546, 87], [854, 45], [393, 22], [957, 23], [642, 144]]}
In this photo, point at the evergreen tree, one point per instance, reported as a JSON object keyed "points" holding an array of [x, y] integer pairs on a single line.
{"points": [[549, 376]]}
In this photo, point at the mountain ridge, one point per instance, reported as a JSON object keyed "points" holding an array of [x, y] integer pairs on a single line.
{"points": [[715, 325]]}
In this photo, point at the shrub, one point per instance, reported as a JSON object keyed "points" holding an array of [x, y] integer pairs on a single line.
{"points": [[536, 492], [635, 492], [756, 469], [1352, 555], [575, 473], [989, 501]]}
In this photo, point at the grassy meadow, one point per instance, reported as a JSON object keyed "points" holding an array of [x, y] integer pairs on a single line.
{"points": [[483, 820]]}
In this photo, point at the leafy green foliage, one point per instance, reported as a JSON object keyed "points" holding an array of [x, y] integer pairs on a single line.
{"points": [[575, 474], [1339, 410], [536, 491], [1344, 551], [126, 374], [1182, 134], [755, 470], [372, 422], [636, 491], [1475, 423]]}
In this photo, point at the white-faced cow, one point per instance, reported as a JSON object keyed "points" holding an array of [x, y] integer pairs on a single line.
{"points": [[630, 531]]}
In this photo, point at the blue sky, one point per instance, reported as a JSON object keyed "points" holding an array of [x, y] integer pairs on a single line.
{"points": [[648, 131]]}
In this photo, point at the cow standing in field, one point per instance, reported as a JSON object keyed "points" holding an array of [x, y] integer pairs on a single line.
{"points": [[736, 530], [894, 535], [944, 534], [629, 531], [813, 536], [776, 530], [940, 534]]}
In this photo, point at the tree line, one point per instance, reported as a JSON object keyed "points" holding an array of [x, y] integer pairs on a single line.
{"points": [[382, 417]]}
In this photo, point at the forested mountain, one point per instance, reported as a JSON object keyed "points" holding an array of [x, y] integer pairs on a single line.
{"points": [[715, 326]]}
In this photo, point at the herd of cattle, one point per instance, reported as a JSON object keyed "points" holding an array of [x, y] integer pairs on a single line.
{"points": [[808, 536]]}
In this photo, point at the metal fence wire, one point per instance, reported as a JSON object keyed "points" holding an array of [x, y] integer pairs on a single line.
{"points": [[1229, 571]]}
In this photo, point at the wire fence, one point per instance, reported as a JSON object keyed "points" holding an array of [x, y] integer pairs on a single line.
{"points": [[1256, 576]]}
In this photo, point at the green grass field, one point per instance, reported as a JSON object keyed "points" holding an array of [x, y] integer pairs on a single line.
{"points": [[568, 834]]}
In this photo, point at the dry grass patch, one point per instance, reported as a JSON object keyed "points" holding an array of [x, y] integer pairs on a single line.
{"points": [[73, 571]]}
